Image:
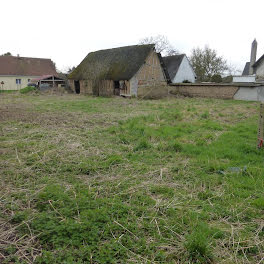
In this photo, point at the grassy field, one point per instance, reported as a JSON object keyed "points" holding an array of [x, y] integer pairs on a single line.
{"points": [[112, 180]]}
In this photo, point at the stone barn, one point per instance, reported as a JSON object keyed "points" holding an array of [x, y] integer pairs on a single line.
{"points": [[126, 71]]}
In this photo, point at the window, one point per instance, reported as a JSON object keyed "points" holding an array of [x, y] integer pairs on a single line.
{"points": [[18, 81]]}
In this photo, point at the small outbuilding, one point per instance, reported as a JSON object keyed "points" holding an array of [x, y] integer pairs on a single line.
{"points": [[179, 68], [48, 81], [126, 71]]}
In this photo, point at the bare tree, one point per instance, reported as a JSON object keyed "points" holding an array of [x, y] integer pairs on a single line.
{"points": [[206, 63], [70, 69], [233, 70], [162, 45]]}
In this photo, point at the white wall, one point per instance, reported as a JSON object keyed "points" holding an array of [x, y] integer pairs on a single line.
{"points": [[185, 72], [250, 94], [244, 78], [10, 82]]}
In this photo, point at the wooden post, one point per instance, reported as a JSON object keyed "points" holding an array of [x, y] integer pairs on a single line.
{"points": [[261, 126]]}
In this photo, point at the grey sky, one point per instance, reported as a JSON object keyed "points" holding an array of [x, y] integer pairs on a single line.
{"points": [[66, 30]]}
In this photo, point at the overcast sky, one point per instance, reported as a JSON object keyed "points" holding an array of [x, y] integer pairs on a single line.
{"points": [[67, 30]]}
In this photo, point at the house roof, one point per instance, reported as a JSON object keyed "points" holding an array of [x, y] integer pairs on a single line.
{"points": [[46, 77], [258, 61], [246, 69], [11, 65], [113, 64], [173, 64]]}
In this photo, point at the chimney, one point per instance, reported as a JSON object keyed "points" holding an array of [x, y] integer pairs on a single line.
{"points": [[253, 56]]}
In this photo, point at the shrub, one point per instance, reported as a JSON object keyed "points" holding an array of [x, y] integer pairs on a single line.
{"points": [[28, 89], [216, 78]]}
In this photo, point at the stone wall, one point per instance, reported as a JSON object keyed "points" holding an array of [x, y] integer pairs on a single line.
{"points": [[98, 88], [71, 84], [150, 81], [223, 91], [153, 92]]}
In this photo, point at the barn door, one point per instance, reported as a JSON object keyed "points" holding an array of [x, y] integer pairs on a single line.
{"points": [[77, 87]]}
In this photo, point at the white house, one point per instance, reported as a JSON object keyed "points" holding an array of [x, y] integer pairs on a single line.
{"points": [[179, 68], [16, 72]]}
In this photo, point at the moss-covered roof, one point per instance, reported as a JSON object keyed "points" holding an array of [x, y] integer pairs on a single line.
{"points": [[112, 64]]}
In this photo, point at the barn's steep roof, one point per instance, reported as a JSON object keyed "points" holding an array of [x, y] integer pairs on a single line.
{"points": [[173, 63], [11, 65], [112, 64]]}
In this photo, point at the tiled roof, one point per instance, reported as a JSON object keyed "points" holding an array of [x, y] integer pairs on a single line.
{"points": [[11, 65]]}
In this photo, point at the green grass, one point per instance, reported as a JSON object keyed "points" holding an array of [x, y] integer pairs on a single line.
{"points": [[110, 180], [8, 91]]}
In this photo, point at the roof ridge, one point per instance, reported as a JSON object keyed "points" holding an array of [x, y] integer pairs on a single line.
{"points": [[137, 45], [182, 54], [19, 57]]}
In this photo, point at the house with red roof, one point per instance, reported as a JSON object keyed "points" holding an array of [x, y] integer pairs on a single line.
{"points": [[16, 72]]}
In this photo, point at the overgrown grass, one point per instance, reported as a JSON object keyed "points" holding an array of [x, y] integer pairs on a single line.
{"points": [[109, 180]]}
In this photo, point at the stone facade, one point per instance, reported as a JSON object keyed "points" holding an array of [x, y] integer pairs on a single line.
{"points": [[149, 79]]}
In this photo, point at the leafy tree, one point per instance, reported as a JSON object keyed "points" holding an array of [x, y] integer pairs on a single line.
{"points": [[217, 78], [162, 45], [206, 64], [7, 54]]}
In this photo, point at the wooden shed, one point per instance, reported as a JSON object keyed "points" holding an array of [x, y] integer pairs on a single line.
{"points": [[127, 71]]}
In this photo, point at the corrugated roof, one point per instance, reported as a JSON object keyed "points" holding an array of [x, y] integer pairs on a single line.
{"points": [[173, 63], [112, 64], [11, 65]]}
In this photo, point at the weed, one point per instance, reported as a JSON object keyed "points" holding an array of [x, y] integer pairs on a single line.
{"points": [[205, 115], [198, 244]]}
